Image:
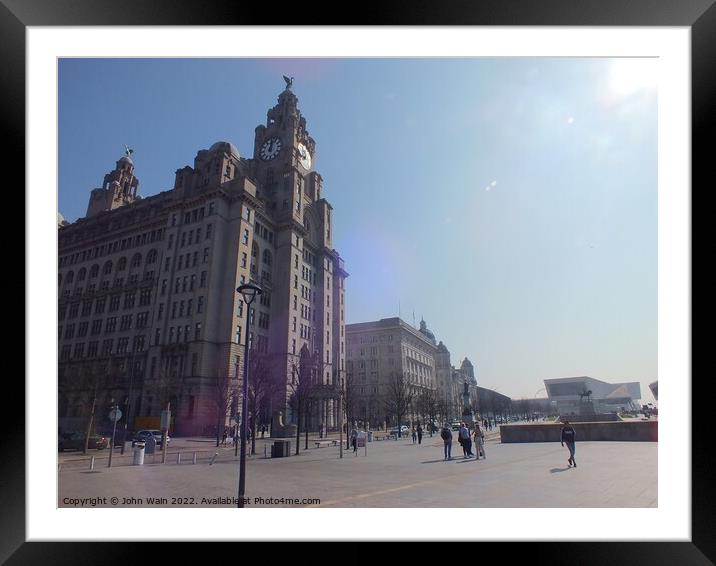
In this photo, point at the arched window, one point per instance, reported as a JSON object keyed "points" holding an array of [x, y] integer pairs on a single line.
{"points": [[107, 268], [254, 249], [81, 274], [136, 260], [122, 264], [94, 270], [151, 256], [70, 277], [267, 257]]}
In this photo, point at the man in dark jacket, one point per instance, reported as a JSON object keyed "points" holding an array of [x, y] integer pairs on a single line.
{"points": [[568, 435], [446, 435]]}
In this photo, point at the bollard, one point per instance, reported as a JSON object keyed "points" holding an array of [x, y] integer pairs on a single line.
{"points": [[178, 457], [264, 451], [194, 459], [92, 463], [213, 458]]}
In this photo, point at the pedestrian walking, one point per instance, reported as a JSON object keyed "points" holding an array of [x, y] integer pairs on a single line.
{"points": [[414, 435], [223, 436], [479, 441], [446, 435], [464, 436], [569, 435], [420, 434], [354, 440]]}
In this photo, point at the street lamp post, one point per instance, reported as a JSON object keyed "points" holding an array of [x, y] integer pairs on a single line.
{"points": [[249, 293]]}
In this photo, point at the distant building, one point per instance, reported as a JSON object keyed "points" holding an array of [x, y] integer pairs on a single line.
{"points": [[576, 395], [378, 350], [493, 403], [655, 389]]}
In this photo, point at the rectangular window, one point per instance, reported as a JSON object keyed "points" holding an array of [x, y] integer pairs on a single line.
{"points": [[202, 283], [142, 319], [238, 335], [197, 331], [200, 305], [157, 337], [96, 327], [86, 308], [206, 255], [208, 231], [79, 351]]}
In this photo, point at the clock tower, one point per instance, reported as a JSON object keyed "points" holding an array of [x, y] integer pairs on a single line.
{"points": [[306, 288]]}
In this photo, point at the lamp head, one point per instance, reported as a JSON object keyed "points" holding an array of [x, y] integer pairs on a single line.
{"points": [[249, 291]]}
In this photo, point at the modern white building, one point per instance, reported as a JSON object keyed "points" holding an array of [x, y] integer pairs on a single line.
{"points": [[580, 395]]}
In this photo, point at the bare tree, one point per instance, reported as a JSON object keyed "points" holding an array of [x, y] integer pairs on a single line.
{"points": [[350, 404], [226, 400], [302, 380], [398, 398], [166, 386], [262, 388], [427, 406]]}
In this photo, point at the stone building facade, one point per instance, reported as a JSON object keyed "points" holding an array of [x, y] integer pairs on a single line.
{"points": [[148, 308], [377, 352]]}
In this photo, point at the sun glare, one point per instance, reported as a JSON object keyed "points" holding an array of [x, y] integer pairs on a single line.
{"points": [[630, 76]]}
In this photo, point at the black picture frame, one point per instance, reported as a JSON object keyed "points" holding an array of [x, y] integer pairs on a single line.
{"points": [[699, 15]]}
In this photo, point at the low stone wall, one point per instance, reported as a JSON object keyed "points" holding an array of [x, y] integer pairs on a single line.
{"points": [[626, 431]]}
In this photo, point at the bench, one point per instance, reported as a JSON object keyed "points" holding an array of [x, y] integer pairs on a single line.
{"points": [[322, 443]]}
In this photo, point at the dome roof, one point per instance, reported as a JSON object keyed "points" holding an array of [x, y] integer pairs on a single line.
{"points": [[442, 348], [126, 159], [226, 147], [466, 363], [424, 330]]}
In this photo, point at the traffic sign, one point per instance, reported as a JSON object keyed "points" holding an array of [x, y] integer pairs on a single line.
{"points": [[115, 415]]}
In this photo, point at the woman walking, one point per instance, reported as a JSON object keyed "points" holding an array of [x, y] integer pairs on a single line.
{"points": [[479, 441]]}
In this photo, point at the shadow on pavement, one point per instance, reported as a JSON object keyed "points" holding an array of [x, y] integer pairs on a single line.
{"points": [[557, 470]]}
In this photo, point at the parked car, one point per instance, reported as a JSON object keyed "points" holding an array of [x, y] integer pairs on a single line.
{"points": [[456, 425], [403, 430], [142, 436], [76, 441]]}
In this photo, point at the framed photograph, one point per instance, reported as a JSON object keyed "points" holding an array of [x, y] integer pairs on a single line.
{"points": [[506, 185]]}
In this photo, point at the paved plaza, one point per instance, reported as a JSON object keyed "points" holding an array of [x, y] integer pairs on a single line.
{"points": [[394, 473]]}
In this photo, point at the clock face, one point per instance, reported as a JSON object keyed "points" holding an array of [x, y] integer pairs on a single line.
{"points": [[304, 157], [270, 149]]}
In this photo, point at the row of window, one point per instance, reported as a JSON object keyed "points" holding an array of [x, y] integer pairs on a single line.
{"points": [[110, 325], [184, 284], [107, 249], [71, 310], [191, 237], [262, 232], [104, 285], [107, 269], [78, 352]]}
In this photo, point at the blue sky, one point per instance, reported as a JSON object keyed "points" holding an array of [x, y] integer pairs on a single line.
{"points": [[511, 202]]}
